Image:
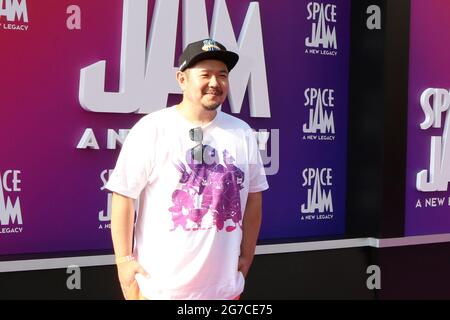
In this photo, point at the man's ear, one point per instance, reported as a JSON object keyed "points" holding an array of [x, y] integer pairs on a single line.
{"points": [[181, 78]]}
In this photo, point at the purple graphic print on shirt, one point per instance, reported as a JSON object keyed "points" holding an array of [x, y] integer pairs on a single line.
{"points": [[208, 188]]}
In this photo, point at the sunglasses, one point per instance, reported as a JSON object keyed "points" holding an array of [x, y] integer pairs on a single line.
{"points": [[196, 135]]}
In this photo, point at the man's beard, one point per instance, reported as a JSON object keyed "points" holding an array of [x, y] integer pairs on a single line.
{"points": [[211, 107]]}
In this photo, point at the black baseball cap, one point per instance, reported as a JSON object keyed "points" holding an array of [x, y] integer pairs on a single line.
{"points": [[204, 50]]}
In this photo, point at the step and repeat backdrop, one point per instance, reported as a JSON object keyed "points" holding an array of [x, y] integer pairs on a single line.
{"points": [[77, 75], [428, 156]]}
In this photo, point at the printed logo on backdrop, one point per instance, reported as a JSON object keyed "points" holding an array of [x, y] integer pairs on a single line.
{"points": [[10, 210], [435, 104], [147, 76], [322, 40], [14, 15], [104, 216], [319, 202], [320, 120]]}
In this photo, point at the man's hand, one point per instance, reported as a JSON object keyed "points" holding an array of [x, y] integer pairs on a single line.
{"points": [[122, 224], [244, 265], [127, 272]]}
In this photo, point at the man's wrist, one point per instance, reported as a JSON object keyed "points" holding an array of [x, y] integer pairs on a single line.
{"points": [[124, 259]]}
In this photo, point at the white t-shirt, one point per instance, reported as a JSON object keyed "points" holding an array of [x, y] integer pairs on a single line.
{"points": [[189, 225]]}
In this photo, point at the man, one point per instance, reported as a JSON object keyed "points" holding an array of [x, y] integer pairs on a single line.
{"points": [[198, 175]]}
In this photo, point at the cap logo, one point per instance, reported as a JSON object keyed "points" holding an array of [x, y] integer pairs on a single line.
{"points": [[210, 45]]}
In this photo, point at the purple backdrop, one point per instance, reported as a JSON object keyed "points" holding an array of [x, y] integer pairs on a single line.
{"points": [[42, 121], [429, 68]]}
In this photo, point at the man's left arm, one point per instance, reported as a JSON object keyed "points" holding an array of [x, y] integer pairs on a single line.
{"points": [[250, 230]]}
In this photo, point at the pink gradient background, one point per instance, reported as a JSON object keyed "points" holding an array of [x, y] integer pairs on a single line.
{"points": [[429, 68], [41, 120]]}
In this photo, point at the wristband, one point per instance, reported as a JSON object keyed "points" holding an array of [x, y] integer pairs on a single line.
{"points": [[125, 259]]}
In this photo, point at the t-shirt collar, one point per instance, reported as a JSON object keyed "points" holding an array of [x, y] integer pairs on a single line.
{"points": [[193, 125]]}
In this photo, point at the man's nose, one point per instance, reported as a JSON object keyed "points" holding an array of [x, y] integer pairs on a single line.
{"points": [[213, 82]]}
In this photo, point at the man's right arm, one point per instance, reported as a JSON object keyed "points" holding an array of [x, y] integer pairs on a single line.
{"points": [[122, 225]]}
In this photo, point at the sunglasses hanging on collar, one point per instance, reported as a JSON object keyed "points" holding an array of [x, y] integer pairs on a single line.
{"points": [[196, 135]]}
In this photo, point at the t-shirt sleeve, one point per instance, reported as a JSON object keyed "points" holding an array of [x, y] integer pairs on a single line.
{"points": [[134, 164], [257, 174]]}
